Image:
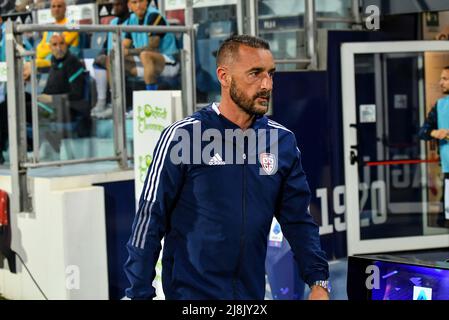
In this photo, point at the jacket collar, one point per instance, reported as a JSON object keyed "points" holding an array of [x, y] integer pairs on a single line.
{"points": [[260, 122]]}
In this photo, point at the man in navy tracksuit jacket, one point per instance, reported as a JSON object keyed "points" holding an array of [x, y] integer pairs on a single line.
{"points": [[216, 213]]}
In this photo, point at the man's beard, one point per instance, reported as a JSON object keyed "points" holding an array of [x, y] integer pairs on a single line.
{"points": [[59, 54], [246, 103]]}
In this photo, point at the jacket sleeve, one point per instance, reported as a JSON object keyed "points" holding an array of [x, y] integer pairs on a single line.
{"points": [[76, 78], [71, 38], [298, 225], [162, 185], [431, 123]]}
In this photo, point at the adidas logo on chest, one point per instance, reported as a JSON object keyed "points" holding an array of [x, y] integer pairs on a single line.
{"points": [[216, 160]]}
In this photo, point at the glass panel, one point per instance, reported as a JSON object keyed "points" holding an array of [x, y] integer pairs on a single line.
{"points": [[334, 25], [270, 8], [74, 100], [334, 9], [75, 112], [214, 25], [397, 174], [68, 89], [281, 23], [287, 8]]}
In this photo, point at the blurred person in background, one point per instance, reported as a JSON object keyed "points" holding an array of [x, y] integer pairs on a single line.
{"points": [[149, 55], [436, 127], [121, 11], [67, 82], [43, 49]]}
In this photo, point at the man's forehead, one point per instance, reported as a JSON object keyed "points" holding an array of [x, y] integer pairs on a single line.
{"points": [[255, 57], [445, 73], [57, 39], [250, 51], [57, 2]]}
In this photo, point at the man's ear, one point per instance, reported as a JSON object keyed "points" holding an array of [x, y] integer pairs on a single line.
{"points": [[223, 76]]}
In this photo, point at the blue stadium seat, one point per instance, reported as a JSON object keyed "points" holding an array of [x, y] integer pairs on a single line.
{"points": [[97, 45]]}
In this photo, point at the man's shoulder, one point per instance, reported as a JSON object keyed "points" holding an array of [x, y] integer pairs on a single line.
{"points": [[271, 124], [114, 21], [201, 118], [132, 19], [72, 60], [186, 123], [285, 136], [443, 100], [152, 10]]}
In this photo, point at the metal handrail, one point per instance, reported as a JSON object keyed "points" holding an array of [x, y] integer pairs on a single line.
{"points": [[22, 28], [21, 201], [66, 162], [336, 20], [311, 29], [356, 11]]}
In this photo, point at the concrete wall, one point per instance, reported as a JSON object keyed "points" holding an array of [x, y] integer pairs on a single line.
{"points": [[63, 242]]}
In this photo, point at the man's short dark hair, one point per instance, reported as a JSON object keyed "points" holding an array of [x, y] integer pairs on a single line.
{"points": [[229, 48]]}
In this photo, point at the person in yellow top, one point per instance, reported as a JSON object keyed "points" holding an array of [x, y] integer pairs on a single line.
{"points": [[43, 50]]}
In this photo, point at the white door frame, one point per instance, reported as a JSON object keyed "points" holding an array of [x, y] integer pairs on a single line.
{"points": [[354, 244]]}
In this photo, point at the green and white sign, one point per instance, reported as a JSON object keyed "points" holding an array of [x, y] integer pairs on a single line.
{"points": [[153, 112], [3, 72]]}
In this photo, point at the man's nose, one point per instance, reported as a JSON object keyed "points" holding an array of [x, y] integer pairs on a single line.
{"points": [[267, 82]]}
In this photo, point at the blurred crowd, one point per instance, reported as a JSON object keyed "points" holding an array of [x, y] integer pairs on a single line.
{"points": [[74, 69]]}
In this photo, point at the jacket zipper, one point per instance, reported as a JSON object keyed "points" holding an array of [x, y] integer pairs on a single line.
{"points": [[242, 236]]}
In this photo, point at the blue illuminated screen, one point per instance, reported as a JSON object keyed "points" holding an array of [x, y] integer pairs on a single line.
{"points": [[410, 282]]}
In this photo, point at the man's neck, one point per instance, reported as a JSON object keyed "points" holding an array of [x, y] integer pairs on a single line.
{"points": [[60, 21], [62, 58], [235, 114], [142, 17]]}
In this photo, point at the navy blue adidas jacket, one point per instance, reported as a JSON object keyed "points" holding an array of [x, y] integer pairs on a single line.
{"points": [[216, 215]]}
